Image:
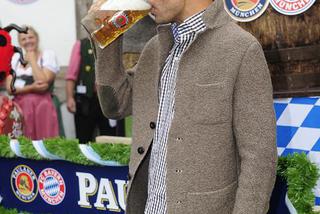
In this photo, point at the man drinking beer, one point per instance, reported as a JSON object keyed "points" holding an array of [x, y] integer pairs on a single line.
{"points": [[201, 99]]}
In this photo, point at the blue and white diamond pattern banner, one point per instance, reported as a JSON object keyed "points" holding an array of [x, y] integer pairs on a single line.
{"points": [[51, 186], [298, 129]]}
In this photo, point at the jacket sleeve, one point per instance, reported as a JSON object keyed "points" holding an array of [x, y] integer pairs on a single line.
{"points": [[255, 133], [114, 84]]}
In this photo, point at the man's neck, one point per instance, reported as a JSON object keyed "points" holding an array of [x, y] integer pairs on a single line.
{"points": [[192, 7]]}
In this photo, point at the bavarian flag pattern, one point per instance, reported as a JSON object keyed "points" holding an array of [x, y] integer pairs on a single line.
{"points": [[246, 10], [298, 129]]}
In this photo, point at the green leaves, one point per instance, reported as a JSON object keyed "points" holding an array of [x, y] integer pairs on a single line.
{"points": [[68, 150], [27, 149], [119, 152], [11, 211], [301, 176], [5, 147]]}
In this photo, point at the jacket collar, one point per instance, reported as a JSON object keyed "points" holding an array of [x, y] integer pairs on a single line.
{"points": [[165, 37], [215, 15]]}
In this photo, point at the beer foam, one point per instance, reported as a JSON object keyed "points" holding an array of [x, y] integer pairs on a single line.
{"points": [[125, 5]]}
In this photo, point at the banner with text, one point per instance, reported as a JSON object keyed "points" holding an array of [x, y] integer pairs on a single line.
{"points": [[62, 187]]}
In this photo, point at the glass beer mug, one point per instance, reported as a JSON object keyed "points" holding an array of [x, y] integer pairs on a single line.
{"points": [[115, 17]]}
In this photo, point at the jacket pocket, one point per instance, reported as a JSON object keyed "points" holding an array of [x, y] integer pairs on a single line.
{"points": [[210, 104], [215, 202]]}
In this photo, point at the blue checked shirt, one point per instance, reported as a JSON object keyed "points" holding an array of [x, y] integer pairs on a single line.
{"points": [[184, 34]]}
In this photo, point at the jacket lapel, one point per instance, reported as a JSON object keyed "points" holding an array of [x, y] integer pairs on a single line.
{"points": [[215, 15]]}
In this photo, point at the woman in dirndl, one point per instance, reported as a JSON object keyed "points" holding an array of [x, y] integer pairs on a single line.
{"points": [[34, 86]]}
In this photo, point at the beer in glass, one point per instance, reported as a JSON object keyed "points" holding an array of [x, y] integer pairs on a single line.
{"points": [[115, 17]]}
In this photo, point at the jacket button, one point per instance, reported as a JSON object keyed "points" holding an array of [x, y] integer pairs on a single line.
{"points": [[141, 150], [88, 68], [179, 139], [152, 125]]}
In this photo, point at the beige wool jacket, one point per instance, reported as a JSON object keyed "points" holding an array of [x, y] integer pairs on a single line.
{"points": [[221, 156]]}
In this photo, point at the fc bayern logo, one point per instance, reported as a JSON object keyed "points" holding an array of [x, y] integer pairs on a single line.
{"points": [[52, 187], [245, 10], [291, 7], [24, 183]]}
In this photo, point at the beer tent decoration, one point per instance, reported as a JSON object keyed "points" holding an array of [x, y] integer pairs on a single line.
{"points": [[58, 173], [250, 10], [291, 7], [299, 172], [245, 10]]}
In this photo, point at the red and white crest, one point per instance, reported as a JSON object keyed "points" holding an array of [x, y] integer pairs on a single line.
{"points": [[52, 187], [291, 7]]}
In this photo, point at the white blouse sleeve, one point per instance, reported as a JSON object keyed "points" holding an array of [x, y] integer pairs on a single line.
{"points": [[15, 61], [50, 62]]}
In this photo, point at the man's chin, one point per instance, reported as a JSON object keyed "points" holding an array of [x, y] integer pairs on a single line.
{"points": [[160, 21]]}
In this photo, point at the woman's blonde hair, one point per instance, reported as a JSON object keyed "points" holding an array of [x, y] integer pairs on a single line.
{"points": [[30, 28]]}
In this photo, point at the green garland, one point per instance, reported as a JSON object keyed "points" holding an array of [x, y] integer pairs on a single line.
{"points": [[5, 150], [28, 150], [11, 211], [68, 150], [301, 176], [118, 152]]}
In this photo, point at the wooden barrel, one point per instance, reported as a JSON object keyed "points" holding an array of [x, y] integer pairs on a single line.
{"points": [[292, 49]]}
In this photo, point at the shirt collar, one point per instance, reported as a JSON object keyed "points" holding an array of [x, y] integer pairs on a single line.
{"points": [[193, 24]]}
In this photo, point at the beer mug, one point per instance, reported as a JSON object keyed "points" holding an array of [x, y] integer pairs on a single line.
{"points": [[115, 17]]}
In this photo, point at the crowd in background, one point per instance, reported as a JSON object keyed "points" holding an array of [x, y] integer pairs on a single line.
{"points": [[40, 107]]}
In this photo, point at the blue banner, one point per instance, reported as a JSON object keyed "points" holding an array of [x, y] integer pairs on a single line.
{"points": [[277, 201], [62, 187]]}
